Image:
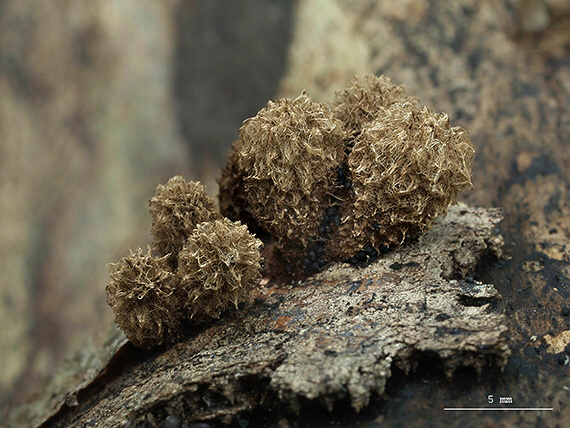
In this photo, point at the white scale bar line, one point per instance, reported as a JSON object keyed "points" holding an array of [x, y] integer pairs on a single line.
{"points": [[497, 408]]}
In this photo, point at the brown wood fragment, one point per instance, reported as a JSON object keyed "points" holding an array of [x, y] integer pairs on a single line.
{"points": [[334, 336]]}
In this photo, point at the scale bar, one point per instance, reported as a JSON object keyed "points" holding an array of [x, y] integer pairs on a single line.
{"points": [[455, 409]]}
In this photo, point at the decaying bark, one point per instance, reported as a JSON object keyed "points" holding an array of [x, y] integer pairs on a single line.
{"points": [[335, 336]]}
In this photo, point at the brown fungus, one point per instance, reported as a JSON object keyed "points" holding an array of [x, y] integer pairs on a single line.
{"points": [[207, 264], [407, 167], [143, 296], [326, 191], [282, 170], [177, 207], [232, 196], [218, 266], [360, 104]]}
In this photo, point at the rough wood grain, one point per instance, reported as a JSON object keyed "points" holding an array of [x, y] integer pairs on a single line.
{"points": [[335, 336]]}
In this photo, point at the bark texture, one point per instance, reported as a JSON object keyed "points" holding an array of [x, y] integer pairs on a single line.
{"points": [[336, 336]]}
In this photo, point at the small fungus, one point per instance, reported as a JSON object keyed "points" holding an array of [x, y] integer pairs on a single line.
{"points": [[346, 182], [176, 209], [143, 295], [360, 104], [205, 264], [218, 266]]}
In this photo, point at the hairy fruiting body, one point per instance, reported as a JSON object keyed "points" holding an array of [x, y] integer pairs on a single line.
{"points": [[144, 297], [218, 266], [407, 167], [282, 168], [361, 103], [345, 184], [176, 209], [206, 264]]}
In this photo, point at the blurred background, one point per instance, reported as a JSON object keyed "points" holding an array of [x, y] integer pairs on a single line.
{"points": [[100, 101]]}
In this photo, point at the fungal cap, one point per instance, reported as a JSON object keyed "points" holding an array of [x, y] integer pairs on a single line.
{"points": [[283, 166], [143, 295], [407, 167], [288, 132]]}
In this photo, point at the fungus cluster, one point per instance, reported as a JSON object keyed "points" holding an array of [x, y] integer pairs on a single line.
{"points": [[200, 265], [346, 182], [325, 184]]}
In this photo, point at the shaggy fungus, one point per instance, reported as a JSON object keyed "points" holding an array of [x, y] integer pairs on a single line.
{"points": [[407, 167], [176, 209], [218, 267], [143, 294], [206, 264], [348, 183], [360, 104], [281, 171], [340, 184]]}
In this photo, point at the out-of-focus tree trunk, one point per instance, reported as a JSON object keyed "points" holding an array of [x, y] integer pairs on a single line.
{"points": [[87, 132]]}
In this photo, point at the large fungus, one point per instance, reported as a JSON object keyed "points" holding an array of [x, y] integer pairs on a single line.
{"points": [[281, 171], [407, 167], [218, 267], [348, 183], [143, 294]]}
